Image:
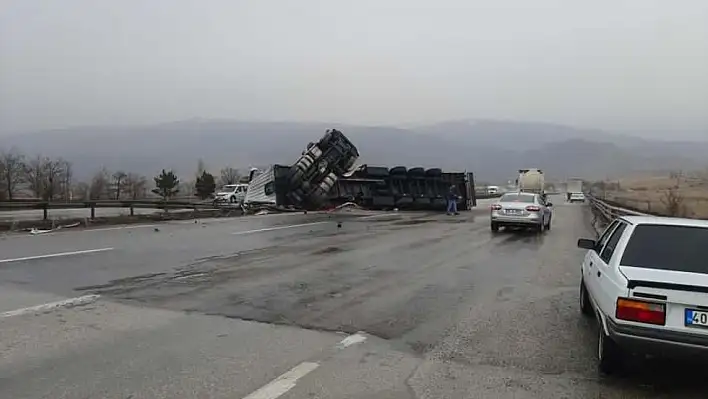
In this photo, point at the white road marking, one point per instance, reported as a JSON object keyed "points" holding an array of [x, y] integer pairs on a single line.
{"points": [[277, 228], [284, 383], [88, 251], [352, 340], [287, 381], [48, 307]]}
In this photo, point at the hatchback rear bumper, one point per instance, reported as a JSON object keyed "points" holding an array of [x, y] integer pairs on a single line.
{"points": [[659, 342]]}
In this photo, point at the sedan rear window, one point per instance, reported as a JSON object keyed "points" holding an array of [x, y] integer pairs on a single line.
{"points": [[517, 198], [677, 248]]}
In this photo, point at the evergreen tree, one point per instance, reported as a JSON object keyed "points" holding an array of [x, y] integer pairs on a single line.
{"points": [[166, 184], [206, 185]]}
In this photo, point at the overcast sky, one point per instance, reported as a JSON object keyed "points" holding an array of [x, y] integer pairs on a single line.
{"points": [[613, 64]]}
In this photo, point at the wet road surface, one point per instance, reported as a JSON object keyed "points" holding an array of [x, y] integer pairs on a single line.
{"points": [[345, 306]]}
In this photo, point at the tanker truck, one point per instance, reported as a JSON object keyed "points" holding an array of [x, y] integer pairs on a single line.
{"points": [[531, 180]]}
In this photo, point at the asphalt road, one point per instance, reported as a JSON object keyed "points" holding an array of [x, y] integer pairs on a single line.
{"points": [[293, 306]]}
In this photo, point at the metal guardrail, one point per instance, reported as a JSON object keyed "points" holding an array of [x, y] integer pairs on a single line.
{"points": [[607, 212], [45, 206]]}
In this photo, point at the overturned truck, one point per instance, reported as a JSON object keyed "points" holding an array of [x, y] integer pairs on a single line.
{"points": [[325, 175], [308, 182], [378, 187]]}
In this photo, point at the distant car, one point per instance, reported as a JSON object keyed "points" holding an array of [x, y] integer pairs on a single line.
{"points": [[645, 280], [524, 210], [231, 193], [576, 197]]}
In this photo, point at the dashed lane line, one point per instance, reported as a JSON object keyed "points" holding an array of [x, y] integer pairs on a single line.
{"points": [[51, 306], [287, 381], [26, 258]]}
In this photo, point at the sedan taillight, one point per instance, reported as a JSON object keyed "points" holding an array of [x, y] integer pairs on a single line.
{"points": [[533, 208], [496, 207], [641, 311]]}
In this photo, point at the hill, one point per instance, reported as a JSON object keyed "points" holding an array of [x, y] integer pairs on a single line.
{"points": [[492, 149]]}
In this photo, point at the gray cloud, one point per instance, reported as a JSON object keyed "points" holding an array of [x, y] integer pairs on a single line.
{"points": [[617, 64]]}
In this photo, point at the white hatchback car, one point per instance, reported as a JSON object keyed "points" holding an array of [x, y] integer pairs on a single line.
{"points": [[646, 281]]}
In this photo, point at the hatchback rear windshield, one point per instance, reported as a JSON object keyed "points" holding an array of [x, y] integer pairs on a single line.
{"points": [[517, 198], [677, 248]]}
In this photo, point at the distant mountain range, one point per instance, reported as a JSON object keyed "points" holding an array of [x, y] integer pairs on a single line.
{"points": [[493, 149]]}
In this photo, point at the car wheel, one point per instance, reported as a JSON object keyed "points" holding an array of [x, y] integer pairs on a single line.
{"points": [[548, 226], [495, 226], [608, 353], [540, 228], [585, 305]]}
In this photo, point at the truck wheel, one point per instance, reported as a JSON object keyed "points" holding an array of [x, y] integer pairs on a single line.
{"points": [[585, 305], [232, 199], [495, 226], [608, 353]]}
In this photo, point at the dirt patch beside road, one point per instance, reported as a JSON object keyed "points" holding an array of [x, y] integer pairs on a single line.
{"points": [[689, 195]]}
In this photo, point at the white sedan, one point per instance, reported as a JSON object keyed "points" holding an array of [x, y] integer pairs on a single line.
{"points": [[646, 281], [576, 197]]}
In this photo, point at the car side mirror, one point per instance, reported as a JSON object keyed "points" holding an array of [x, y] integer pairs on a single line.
{"points": [[550, 204], [585, 243]]}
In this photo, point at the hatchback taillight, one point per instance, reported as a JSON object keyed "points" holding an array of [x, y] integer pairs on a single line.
{"points": [[533, 208], [496, 207], [641, 311]]}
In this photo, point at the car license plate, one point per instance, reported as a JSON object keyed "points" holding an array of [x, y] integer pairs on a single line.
{"points": [[696, 318], [513, 212]]}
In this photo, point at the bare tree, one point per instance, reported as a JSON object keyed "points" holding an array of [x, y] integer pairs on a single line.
{"points": [[53, 177], [673, 201], [12, 168], [81, 191], [99, 185], [3, 190], [201, 167], [119, 178], [229, 175], [66, 180], [34, 175], [136, 186]]}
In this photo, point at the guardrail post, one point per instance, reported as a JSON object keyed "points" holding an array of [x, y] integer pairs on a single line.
{"points": [[132, 210], [93, 210], [46, 211]]}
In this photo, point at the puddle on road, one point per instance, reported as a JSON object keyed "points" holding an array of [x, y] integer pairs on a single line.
{"points": [[328, 250], [412, 222]]}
